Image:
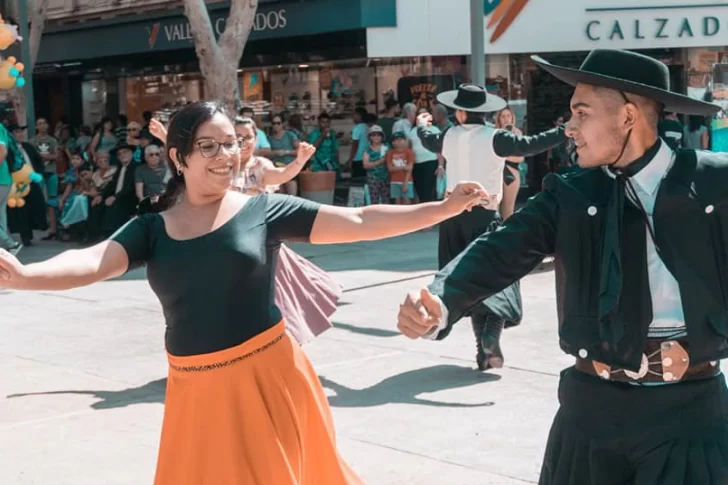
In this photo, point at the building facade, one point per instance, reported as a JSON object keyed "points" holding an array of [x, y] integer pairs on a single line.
{"points": [[312, 55]]}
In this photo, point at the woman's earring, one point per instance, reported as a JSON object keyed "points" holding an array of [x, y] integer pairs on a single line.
{"points": [[179, 170]]}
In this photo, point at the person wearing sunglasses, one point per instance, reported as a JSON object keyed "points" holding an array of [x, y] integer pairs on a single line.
{"points": [[151, 177], [284, 145]]}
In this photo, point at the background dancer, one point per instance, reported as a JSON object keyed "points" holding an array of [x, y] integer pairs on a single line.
{"points": [[243, 404], [476, 151], [640, 283]]}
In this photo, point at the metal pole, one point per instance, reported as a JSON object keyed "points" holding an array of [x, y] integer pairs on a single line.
{"points": [[477, 42], [27, 73]]}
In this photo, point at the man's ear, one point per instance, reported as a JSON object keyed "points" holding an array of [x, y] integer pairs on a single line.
{"points": [[630, 113]]}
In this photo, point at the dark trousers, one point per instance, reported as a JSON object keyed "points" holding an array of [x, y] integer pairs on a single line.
{"points": [[32, 216], [455, 236], [357, 169], [425, 179], [610, 433]]}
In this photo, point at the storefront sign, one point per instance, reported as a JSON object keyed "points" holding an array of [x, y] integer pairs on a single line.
{"points": [[528, 26], [177, 32], [653, 24], [170, 31]]}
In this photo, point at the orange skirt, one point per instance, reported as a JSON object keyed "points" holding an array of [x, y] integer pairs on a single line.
{"points": [[254, 414]]}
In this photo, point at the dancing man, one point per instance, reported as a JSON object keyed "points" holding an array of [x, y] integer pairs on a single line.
{"points": [[641, 281], [477, 151]]}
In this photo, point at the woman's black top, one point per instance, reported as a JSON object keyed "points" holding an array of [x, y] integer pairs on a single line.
{"points": [[217, 290]]}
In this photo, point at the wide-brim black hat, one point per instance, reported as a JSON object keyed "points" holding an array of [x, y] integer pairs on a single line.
{"points": [[121, 146], [629, 72], [469, 97]]}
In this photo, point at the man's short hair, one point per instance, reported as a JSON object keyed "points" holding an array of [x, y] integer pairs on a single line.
{"points": [[440, 108]]}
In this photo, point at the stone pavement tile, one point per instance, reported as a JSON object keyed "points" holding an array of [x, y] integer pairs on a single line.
{"points": [[378, 465], [115, 446], [532, 345], [34, 391], [436, 407]]}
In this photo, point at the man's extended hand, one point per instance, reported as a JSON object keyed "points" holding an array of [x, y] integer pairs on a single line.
{"points": [[419, 314]]}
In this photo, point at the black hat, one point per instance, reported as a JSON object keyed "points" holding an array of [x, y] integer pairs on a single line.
{"points": [[123, 145], [629, 72], [15, 126], [469, 97]]}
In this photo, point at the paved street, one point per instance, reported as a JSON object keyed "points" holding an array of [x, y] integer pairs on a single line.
{"points": [[83, 380]]}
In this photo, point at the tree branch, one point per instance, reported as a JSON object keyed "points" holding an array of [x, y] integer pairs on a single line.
{"points": [[237, 29], [37, 12], [204, 37]]}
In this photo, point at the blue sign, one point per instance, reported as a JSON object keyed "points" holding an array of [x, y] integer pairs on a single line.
{"points": [[163, 32]]}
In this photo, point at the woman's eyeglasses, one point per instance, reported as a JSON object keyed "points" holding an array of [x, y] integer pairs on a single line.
{"points": [[210, 148], [277, 123], [154, 154]]}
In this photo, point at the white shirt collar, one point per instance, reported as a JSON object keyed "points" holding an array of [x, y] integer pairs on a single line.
{"points": [[651, 175]]}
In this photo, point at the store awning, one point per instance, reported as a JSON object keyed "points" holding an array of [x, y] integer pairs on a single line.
{"points": [[169, 30]]}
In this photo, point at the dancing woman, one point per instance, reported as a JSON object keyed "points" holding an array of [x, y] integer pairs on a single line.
{"points": [[243, 404], [304, 293]]}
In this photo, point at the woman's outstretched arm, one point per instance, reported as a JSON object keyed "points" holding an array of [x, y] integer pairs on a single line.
{"points": [[343, 225], [70, 269]]}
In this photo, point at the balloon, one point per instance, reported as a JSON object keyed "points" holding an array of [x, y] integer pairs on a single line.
{"points": [[20, 82]]}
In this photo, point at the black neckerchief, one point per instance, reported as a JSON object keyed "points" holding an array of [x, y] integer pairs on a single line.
{"points": [[636, 166], [610, 285]]}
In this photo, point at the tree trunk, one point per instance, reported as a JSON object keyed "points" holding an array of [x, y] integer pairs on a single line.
{"points": [[37, 11], [219, 60]]}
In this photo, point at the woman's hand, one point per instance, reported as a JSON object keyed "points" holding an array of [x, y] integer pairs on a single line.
{"points": [[12, 271], [305, 152], [158, 130], [464, 197]]}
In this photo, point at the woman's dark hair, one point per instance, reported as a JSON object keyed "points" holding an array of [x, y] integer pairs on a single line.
{"points": [[370, 118], [324, 116], [103, 122], [244, 121], [473, 118], [296, 122], [76, 153], [181, 136], [695, 123]]}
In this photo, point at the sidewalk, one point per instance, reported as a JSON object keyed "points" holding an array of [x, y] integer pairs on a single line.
{"points": [[93, 362]]}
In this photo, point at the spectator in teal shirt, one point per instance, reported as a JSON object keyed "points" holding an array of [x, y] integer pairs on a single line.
{"points": [[7, 156], [324, 139]]}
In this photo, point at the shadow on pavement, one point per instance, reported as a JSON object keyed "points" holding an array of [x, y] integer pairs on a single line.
{"points": [[406, 387], [375, 332], [151, 392]]}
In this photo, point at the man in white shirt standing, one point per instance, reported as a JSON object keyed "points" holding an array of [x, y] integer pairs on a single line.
{"points": [[476, 151], [639, 236]]}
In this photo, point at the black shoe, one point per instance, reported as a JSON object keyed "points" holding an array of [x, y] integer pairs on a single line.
{"points": [[51, 236], [480, 356], [493, 353], [15, 249], [490, 340]]}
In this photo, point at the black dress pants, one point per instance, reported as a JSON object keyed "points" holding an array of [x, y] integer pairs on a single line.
{"points": [[425, 180]]}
